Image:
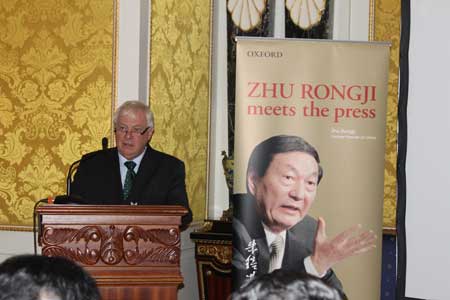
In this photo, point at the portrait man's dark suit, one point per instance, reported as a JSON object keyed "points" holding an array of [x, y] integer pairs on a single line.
{"points": [[248, 227], [160, 180]]}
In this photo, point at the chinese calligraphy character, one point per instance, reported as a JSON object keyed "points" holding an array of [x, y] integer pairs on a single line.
{"points": [[250, 261]]}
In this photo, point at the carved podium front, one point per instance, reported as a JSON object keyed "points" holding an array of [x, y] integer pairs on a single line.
{"points": [[133, 252]]}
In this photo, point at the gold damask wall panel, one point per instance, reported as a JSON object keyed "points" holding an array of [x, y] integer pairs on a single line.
{"points": [[55, 96], [387, 28], [179, 88]]}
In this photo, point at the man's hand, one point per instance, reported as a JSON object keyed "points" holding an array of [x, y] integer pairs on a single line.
{"points": [[327, 252]]}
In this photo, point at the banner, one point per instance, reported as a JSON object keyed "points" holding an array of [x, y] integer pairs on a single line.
{"points": [[309, 160]]}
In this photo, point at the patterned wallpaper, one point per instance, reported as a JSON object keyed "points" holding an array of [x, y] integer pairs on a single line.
{"points": [[179, 88], [55, 96], [387, 28]]}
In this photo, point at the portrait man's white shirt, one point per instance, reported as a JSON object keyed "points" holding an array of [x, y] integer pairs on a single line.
{"points": [[270, 238]]}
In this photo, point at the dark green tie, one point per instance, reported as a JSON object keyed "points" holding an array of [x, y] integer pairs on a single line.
{"points": [[129, 178]]}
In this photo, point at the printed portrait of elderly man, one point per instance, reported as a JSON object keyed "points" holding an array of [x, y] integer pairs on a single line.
{"points": [[271, 225]]}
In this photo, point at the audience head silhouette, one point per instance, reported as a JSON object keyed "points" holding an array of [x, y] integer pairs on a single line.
{"points": [[34, 277], [286, 285]]}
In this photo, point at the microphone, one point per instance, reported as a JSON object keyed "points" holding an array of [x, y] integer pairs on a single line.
{"points": [[69, 199], [75, 164], [104, 143], [64, 199], [73, 167]]}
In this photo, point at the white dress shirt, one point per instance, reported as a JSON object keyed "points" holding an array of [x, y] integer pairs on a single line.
{"points": [[309, 266]]}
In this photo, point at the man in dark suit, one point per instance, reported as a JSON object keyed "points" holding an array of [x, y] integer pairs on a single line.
{"points": [[271, 225], [133, 172]]}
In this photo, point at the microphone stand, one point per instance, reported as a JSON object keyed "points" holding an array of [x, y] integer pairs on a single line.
{"points": [[36, 222], [75, 164], [62, 199]]}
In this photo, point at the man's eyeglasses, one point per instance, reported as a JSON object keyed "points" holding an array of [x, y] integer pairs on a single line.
{"points": [[133, 130]]}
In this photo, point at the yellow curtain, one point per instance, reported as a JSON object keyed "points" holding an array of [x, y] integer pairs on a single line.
{"points": [[179, 92], [55, 96], [387, 28]]}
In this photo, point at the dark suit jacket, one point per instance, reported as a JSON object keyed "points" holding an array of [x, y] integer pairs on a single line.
{"points": [[160, 180], [247, 226]]}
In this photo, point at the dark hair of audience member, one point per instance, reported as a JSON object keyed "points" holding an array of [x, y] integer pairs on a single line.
{"points": [[287, 285], [35, 277]]}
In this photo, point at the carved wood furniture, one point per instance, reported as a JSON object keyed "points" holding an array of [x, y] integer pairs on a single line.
{"points": [[133, 252], [213, 246]]}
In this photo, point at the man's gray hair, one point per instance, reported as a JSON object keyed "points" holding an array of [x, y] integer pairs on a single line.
{"points": [[130, 108]]}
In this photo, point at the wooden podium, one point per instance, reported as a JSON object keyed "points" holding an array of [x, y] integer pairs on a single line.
{"points": [[133, 252]]}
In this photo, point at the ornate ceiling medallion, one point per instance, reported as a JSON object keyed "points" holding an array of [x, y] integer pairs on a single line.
{"points": [[306, 13], [246, 14]]}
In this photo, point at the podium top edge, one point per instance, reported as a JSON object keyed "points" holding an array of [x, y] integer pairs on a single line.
{"points": [[167, 210]]}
